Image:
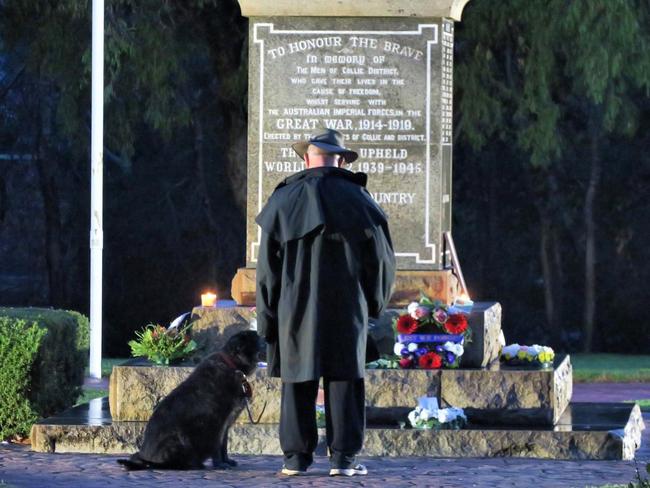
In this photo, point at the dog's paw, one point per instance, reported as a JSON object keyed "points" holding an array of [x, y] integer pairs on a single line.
{"points": [[224, 465], [232, 462]]}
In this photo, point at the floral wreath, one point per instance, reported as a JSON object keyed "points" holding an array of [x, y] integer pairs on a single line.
{"points": [[431, 335]]}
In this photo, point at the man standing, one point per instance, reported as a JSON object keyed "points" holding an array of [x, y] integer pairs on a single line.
{"points": [[325, 264]]}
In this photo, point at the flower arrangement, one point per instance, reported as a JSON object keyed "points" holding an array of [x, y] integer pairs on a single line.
{"points": [[427, 415], [162, 345], [535, 355], [431, 335], [253, 320], [383, 363], [320, 416]]}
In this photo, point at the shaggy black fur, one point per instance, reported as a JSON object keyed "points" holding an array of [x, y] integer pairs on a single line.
{"points": [[191, 424]]}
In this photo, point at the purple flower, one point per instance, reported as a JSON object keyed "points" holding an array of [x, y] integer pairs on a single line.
{"points": [[421, 351], [439, 349], [440, 315], [421, 312], [450, 358]]}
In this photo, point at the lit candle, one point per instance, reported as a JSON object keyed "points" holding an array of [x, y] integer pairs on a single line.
{"points": [[208, 299]]}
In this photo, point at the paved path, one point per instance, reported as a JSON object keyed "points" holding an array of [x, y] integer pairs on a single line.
{"points": [[19, 467], [610, 392]]}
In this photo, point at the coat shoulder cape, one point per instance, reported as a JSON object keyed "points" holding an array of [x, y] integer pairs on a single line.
{"points": [[331, 201]]}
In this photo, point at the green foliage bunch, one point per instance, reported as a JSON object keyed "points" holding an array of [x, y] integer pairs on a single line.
{"points": [[162, 345], [19, 343], [58, 371]]}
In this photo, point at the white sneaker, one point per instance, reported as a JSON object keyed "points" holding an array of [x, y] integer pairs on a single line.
{"points": [[292, 472], [359, 469]]}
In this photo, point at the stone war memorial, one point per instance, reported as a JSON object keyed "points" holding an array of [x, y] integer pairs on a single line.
{"points": [[381, 73]]}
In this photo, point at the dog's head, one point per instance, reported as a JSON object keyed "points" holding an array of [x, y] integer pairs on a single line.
{"points": [[244, 348]]}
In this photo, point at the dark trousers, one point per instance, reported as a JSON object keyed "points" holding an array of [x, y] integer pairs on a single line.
{"points": [[345, 420]]}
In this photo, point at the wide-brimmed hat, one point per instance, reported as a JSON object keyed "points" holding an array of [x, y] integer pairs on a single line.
{"points": [[331, 140]]}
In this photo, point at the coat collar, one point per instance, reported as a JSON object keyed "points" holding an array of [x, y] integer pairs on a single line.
{"points": [[330, 171]]}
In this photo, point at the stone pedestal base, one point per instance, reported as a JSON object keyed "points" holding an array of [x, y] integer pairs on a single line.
{"points": [[494, 395], [213, 326], [242, 288], [585, 431], [484, 320], [438, 285]]}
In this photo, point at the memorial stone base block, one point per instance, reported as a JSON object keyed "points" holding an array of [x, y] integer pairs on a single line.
{"points": [[409, 285], [492, 396]]}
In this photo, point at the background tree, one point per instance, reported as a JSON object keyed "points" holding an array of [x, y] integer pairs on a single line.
{"points": [[557, 82]]}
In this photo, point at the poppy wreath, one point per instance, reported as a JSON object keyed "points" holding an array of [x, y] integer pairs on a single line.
{"points": [[431, 335]]}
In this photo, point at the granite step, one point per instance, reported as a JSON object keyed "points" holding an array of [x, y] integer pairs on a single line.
{"points": [[607, 431], [499, 394]]}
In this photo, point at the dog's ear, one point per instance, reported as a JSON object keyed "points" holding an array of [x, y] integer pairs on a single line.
{"points": [[242, 342]]}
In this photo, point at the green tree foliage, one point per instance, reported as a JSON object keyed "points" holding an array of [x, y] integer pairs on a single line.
{"points": [[557, 83], [175, 133]]}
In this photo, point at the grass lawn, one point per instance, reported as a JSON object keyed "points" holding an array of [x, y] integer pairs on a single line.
{"points": [[107, 365], [90, 394], [602, 368], [644, 404]]}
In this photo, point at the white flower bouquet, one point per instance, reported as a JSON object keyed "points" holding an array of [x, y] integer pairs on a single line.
{"points": [[427, 415]]}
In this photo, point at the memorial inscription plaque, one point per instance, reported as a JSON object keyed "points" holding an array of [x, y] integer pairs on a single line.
{"points": [[386, 84]]}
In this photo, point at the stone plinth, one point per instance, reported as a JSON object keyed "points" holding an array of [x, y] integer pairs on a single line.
{"points": [[586, 431], [484, 320], [243, 287], [438, 285], [519, 397], [213, 326]]}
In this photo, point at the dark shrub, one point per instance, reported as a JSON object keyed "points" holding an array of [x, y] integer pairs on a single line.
{"points": [[58, 368], [19, 343]]}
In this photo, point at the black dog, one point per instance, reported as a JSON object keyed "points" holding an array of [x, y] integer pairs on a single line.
{"points": [[191, 424]]}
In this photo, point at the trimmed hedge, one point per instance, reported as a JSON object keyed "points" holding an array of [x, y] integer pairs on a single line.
{"points": [[56, 372], [19, 342]]}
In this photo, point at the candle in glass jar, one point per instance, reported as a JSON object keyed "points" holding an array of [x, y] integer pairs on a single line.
{"points": [[208, 299]]}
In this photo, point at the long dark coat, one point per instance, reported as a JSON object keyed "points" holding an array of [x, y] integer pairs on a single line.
{"points": [[325, 264]]}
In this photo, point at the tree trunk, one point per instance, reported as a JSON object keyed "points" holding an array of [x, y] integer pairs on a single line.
{"points": [[204, 196], [547, 273], [52, 221], [590, 242]]}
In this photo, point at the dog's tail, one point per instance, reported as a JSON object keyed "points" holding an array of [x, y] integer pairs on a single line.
{"points": [[134, 463]]}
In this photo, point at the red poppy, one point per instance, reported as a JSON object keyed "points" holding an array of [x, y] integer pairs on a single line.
{"points": [[456, 323], [405, 363], [407, 324], [430, 360]]}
